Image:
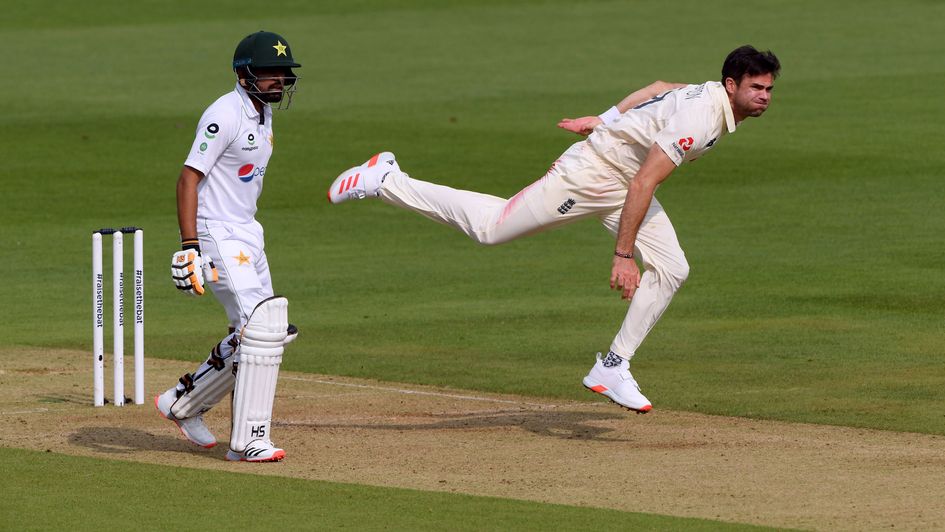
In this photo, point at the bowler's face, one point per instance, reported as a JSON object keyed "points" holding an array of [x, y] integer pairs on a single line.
{"points": [[752, 96]]}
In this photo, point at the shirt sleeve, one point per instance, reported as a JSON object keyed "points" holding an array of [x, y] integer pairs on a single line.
{"points": [[685, 132], [215, 131]]}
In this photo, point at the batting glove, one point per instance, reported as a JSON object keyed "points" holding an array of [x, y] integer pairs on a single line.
{"points": [[189, 269]]}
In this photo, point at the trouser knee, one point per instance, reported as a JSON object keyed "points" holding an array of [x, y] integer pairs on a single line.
{"points": [[674, 273]]}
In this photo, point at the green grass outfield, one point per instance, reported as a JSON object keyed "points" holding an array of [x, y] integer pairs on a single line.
{"points": [[814, 233], [92, 494]]}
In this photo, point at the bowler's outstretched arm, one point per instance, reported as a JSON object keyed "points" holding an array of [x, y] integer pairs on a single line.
{"points": [[586, 124]]}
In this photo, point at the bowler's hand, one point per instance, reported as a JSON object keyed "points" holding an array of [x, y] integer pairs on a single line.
{"points": [[625, 276], [582, 126]]}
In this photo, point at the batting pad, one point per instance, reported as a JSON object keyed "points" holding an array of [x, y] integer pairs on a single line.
{"points": [[210, 383], [260, 354]]}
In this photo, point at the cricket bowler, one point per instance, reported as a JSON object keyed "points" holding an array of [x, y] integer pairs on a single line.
{"points": [[612, 175]]}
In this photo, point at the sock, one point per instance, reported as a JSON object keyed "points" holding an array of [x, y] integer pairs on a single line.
{"points": [[612, 360]]}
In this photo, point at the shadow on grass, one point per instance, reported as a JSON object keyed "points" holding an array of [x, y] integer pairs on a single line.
{"points": [[124, 440], [563, 425], [73, 398]]}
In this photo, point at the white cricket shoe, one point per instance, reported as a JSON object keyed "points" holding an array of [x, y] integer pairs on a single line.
{"points": [[257, 451], [193, 428], [362, 181], [611, 378]]}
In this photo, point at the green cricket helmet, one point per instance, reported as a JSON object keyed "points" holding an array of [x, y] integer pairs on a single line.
{"points": [[263, 50]]}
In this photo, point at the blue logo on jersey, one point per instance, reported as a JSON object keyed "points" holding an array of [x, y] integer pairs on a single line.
{"points": [[247, 172], [655, 99]]}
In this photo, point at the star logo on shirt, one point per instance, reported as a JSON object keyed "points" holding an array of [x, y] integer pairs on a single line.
{"points": [[241, 259], [280, 48]]}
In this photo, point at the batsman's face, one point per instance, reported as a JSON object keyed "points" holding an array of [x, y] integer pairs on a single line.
{"points": [[751, 96], [270, 82]]}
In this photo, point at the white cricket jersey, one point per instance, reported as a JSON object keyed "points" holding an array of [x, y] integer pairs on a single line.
{"points": [[685, 122], [231, 149]]}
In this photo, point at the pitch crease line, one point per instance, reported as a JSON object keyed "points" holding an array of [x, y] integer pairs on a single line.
{"points": [[32, 411]]}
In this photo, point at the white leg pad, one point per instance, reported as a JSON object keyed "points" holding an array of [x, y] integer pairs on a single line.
{"points": [[203, 389], [260, 354]]}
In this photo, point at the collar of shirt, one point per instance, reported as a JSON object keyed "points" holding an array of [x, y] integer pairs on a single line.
{"points": [[715, 88], [248, 106]]}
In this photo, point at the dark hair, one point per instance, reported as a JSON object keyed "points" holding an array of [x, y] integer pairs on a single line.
{"points": [[747, 60]]}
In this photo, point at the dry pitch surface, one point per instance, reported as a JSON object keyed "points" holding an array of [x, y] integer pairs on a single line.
{"points": [[577, 453]]}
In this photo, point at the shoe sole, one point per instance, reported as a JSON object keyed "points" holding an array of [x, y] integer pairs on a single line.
{"points": [[236, 457], [605, 391], [210, 446]]}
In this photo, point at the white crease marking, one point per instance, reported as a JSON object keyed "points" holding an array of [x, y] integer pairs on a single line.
{"points": [[32, 411]]}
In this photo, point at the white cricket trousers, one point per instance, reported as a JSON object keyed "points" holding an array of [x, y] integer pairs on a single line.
{"points": [[238, 251], [578, 185]]}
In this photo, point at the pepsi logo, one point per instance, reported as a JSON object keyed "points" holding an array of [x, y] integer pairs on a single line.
{"points": [[247, 172]]}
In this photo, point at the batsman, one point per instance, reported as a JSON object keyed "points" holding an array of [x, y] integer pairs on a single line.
{"points": [[222, 247]]}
